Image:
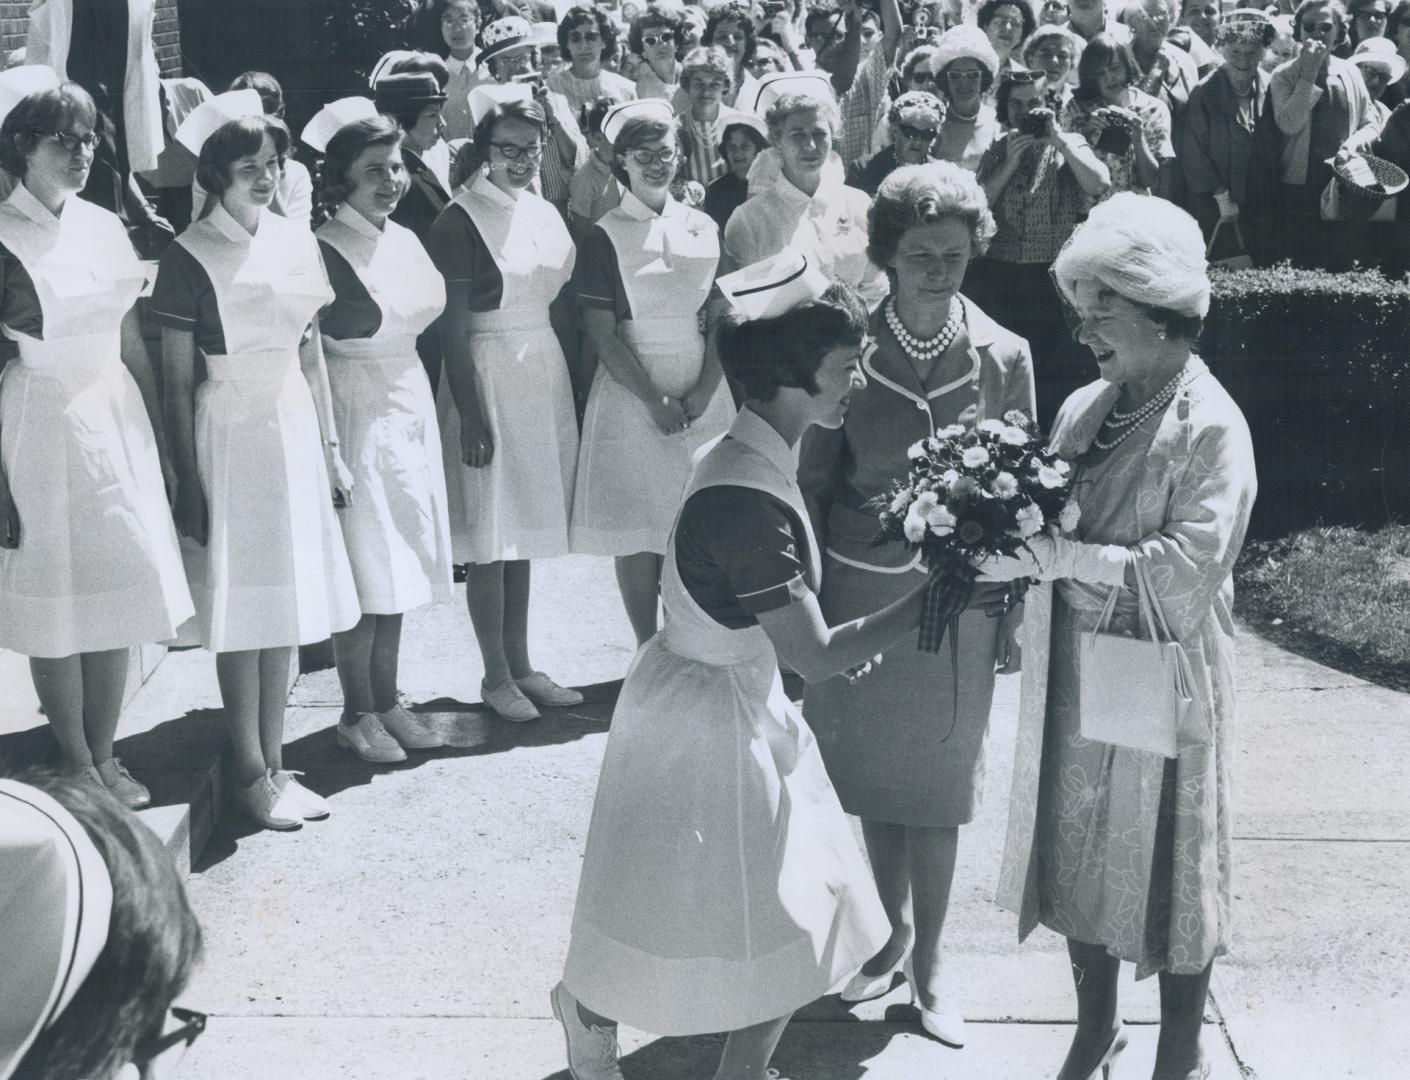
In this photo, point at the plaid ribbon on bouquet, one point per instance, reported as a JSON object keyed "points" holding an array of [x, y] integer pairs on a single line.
{"points": [[945, 597]]}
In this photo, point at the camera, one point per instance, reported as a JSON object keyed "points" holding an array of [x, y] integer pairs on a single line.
{"points": [[1116, 136], [1035, 122]]}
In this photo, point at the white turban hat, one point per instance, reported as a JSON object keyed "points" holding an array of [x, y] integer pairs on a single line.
{"points": [[1145, 248]]}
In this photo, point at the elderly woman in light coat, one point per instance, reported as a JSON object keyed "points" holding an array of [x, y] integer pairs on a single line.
{"points": [[1124, 852]]}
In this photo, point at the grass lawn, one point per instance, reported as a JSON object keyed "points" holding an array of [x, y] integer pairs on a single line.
{"points": [[1337, 594]]}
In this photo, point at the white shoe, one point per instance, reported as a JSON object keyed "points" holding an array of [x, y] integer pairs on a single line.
{"points": [[945, 1023], [410, 732], [509, 703], [311, 805], [592, 1051], [369, 740], [123, 785], [541, 690], [264, 802], [866, 987]]}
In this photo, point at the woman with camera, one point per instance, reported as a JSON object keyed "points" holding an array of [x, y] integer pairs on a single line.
{"points": [[1129, 129], [1040, 181]]}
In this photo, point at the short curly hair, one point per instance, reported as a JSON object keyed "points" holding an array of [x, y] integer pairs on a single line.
{"points": [[922, 195], [990, 8], [343, 149], [915, 99], [788, 104], [655, 17], [706, 59], [763, 356], [736, 13], [531, 112], [231, 141], [38, 114], [582, 15]]}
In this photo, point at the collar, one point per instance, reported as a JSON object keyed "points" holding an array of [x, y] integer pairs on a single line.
{"points": [[357, 223], [795, 196], [1223, 90], [979, 329], [456, 65], [639, 211], [759, 435], [23, 200], [486, 190], [223, 223], [1082, 418]]}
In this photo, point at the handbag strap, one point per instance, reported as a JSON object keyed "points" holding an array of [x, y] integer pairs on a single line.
{"points": [[1151, 611], [1213, 236]]}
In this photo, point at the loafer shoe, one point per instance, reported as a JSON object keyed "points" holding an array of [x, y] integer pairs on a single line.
{"points": [[369, 740], [592, 1051], [509, 703], [311, 805], [411, 732], [121, 783], [266, 804], [542, 690]]}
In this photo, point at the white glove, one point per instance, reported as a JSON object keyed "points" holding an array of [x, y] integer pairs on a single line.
{"points": [[1228, 209], [1052, 557]]}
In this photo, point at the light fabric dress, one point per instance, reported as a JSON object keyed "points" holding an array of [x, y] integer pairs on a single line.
{"points": [[397, 529], [274, 571], [1120, 847], [518, 506], [721, 885], [630, 473], [829, 228], [98, 565], [896, 748]]}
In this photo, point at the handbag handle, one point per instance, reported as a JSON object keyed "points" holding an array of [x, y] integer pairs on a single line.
{"points": [[1151, 610], [1238, 235]]}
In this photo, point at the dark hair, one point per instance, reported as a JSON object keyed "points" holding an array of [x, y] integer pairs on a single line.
{"points": [[765, 355], [760, 143], [1174, 324], [922, 195], [1096, 56], [531, 112], [1355, 7], [1337, 9], [653, 18], [593, 113], [1008, 81], [636, 132], [344, 147], [581, 14], [271, 94], [230, 142], [1398, 15], [736, 13], [986, 77], [990, 8], [427, 62], [913, 60], [42, 113], [153, 945]]}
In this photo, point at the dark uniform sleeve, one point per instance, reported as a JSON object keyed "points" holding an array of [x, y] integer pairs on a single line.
{"points": [[8, 349], [460, 254], [597, 276], [183, 298], [741, 552], [353, 313]]}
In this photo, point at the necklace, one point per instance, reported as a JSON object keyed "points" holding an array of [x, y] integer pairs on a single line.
{"points": [[1121, 419], [1130, 422], [961, 117], [923, 349]]}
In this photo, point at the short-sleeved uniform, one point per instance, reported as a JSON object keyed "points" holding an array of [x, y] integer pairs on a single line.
{"points": [[654, 272], [274, 571], [515, 255], [397, 529], [98, 565], [721, 885]]}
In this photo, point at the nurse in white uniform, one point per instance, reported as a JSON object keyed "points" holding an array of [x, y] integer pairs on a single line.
{"points": [[642, 278], [397, 529], [89, 564], [506, 406], [254, 445]]}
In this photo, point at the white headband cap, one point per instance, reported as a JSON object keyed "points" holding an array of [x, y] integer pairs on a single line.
{"points": [[774, 285], [333, 117], [487, 95], [56, 900], [209, 116], [813, 84], [19, 82], [640, 108], [1145, 248]]}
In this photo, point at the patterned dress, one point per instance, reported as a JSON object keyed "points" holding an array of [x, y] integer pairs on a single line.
{"points": [[1121, 847], [1155, 130]]}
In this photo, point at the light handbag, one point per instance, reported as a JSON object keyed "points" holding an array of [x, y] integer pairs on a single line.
{"points": [[1136, 693], [1237, 259]]}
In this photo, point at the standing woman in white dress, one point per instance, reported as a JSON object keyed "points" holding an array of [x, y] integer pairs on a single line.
{"points": [[642, 279], [387, 291], [508, 428], [89, 563], [253, 444]]}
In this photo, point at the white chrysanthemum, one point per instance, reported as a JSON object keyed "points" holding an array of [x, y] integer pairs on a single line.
{"points": [[1029, 520], [1062, 467], [941, 521], [914, 526], [1014, 436], [1070, 516], [917, 450], [1005, 485], [991, 426], [900, 500], [1049, 477], [949, 476], [975, 457], [925, 502], [951, 431]]}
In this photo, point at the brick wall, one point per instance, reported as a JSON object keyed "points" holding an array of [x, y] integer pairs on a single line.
{"points": [[165, 32]]}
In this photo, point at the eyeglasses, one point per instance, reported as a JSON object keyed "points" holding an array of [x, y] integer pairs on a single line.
{"points": [[924, 134], [1318, 27], [513, 151], [963, 76], [663, 156], [71, 142], [924, 78], [665, 37], [190, 1025], [1373, 15], [1012, 22], [584, 37]]}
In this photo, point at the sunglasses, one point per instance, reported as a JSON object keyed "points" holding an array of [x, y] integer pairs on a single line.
{"points": [[925, 78], [583, 38], [71, 142], [666, 37], [926, 134]]}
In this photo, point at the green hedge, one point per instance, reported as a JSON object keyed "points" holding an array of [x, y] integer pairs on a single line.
{"points": [[1320, 364]]}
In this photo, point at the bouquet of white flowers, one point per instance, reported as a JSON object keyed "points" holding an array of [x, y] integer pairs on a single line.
{"points": [[968, 494]]}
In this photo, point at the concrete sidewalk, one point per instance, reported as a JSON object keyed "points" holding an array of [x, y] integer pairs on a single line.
{"points": [[417, 932]]}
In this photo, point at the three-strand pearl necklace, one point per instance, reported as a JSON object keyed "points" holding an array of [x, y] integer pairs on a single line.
{"points": [[1124, 423], [924, 349]]}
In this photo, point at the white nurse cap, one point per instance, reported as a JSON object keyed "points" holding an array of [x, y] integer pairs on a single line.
{"points": [[19, 82], [214, 113], [774, 285], [334, 116], [639, 109], [56, 899], [487, 95], [813, 84]]}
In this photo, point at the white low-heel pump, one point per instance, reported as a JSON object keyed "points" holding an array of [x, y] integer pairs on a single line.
{"points": [[868, 987], [945, 1024]]}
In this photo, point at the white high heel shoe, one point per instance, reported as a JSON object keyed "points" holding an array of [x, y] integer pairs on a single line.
{"points": [[868, 987], [946, 1024], [1108, 1061]]}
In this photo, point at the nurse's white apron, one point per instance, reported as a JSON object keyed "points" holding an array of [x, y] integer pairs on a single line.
{"points": [[630, 473], [98, 565], [721, 886], [274, 571], [397, 529], [517, 506]]}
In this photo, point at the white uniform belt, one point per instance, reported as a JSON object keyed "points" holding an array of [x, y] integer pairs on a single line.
{"points": [[385, 347], [255, 365], [81, 350], [516, 320]]}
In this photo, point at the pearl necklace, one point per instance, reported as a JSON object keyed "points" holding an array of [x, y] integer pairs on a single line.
{"points": [[1131, 422], [923, 349]]}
